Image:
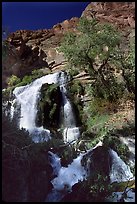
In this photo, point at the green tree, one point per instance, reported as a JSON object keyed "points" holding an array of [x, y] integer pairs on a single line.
{"points": [[82, 48], [91, 48]]}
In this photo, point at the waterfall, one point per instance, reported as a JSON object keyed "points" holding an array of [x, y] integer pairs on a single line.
{"points": [[27, 97], [75, 172], [119, 170], [55, 162], [71, 132], [67, 176]]}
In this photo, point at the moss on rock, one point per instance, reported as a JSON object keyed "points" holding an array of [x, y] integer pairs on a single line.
{"points": [[49, 105], [76, 90]]}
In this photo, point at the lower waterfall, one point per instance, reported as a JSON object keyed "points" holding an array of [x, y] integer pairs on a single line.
{"points": [[119, 171], [66, 177]]}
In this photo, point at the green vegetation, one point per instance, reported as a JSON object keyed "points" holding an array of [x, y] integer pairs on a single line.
{"points": [[14, 81], [96, 49], [86, 51], [49, 106], [99, 188], [99, 50], [94, 190]]}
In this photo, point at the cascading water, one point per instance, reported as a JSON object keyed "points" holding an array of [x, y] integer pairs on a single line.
{"points": [[27, 96], [71, 132], [55, 162], [65, 177], [75, 172], [119, 170]]}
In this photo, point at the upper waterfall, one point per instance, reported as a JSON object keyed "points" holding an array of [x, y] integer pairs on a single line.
{"points": [[28, 96]]}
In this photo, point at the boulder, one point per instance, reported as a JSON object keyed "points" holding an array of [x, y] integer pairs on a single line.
{"points": [[97, 161]]}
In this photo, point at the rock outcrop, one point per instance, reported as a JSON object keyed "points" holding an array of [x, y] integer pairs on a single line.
{"points": [[29, 50], [121, 14]]}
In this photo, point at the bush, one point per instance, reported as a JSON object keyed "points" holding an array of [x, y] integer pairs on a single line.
{"points": [[13, 80], [95, 124], [30, 78]]}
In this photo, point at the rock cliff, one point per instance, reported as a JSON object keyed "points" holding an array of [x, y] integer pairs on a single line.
{"points": [[122, 14], [30, 50]]}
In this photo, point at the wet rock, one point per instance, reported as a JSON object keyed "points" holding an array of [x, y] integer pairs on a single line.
{"points": [[49, 106], [97, 161]]}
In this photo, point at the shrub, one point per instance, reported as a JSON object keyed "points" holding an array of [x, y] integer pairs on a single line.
{"points": [[29, 78], [95, 124], [13, 80]]}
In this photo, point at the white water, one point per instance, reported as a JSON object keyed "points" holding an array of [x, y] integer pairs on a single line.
{"points": [[55, 162], [119, 170], [70, 175], [71, 132], [12, 109], [27, 96], [75, 172], [67, 176]]}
